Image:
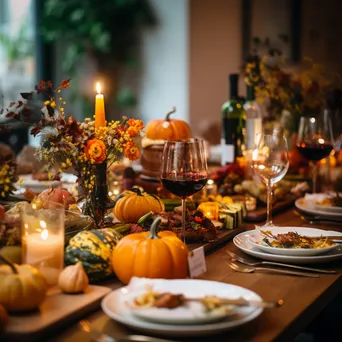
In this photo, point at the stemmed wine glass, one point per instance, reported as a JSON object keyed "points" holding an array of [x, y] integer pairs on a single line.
{"points": [[314, 141], [184, 170], [270, 161]]}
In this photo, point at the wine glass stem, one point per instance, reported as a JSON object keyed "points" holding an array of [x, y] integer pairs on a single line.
{"points": [[314, 177], [269, 204], [183, 218]]}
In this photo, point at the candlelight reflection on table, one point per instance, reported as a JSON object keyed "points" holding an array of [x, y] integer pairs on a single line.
{"points": [[43, 240]]}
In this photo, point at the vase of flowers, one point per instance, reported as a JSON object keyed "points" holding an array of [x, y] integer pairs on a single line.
{"points": [[68, 143]]}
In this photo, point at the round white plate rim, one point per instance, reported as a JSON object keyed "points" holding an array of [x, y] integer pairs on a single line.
{"points": [[179, 330], [301, 206], [286, 258], [290, 251], [181, 321], [328, 209]]}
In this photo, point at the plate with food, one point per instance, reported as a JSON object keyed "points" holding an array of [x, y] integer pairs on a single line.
{"points": [[288, 241], [243, 242], [312, 204], [176, 308], [135, 306], [331, 203]]}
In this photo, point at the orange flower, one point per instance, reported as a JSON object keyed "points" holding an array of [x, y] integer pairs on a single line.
{"points": [[138, 124], [95, 151], [131, 151], [132, 131]]}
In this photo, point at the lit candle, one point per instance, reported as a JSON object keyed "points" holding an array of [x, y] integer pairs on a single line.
{"points": [[43, 241], [100, 118], [209, 209], [45, 251], [210, 188]]}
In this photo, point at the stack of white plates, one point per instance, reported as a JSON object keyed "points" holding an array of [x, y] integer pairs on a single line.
{"points": [[251, 243], [182, 321], [309, 204]]}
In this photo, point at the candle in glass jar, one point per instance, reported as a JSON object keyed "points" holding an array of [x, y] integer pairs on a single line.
{"points": [[100, 117], [46, 252], [210, 188], [209, 209]]}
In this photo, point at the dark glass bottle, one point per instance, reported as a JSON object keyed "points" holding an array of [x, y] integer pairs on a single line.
{"points": [[233, 124]]}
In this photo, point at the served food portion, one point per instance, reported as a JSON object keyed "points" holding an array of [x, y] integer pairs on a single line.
{"points": [[330, 203], [176, 308], [294, 240]]}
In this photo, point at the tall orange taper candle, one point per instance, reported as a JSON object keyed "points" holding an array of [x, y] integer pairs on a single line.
{"points": [[100, 117]]}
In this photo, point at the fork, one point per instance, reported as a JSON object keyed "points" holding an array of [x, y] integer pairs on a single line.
{"points": [[249, 269], [271, 263]]}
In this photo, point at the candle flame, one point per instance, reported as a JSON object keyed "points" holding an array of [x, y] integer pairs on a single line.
{"points": [[42, 224], [44, 234], [98, 87]]}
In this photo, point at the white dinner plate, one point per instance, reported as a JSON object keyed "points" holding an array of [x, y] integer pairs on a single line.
{"points": [[256, 241], [115, 306], [26, 181], [309, 206], [242, 241], [328, 209]]}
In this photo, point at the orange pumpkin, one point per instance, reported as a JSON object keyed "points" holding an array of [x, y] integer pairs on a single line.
{"points": [[150, 255], [168, 129], [131, 205]]}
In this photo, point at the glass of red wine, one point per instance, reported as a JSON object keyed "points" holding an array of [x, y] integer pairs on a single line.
{"points": [[315, 141], [184, 170]]}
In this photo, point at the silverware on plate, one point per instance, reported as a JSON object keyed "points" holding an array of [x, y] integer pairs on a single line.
{"points": [[250, 269], [243, 302], [271, 263]]}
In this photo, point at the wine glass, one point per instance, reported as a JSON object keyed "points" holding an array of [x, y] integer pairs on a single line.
{"points": [[184, 170], [314, 141], [270, 161]]}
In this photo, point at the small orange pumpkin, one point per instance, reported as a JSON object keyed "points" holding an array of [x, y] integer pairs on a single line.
{"points": [[150, 255], [168, 129], [131, 205]]}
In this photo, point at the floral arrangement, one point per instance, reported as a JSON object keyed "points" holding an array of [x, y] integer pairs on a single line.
{"points": [[299, 93], [7, 177], [68, 143]]}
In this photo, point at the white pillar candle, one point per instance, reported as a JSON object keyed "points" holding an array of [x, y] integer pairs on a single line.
{"points": [[46, 252]]}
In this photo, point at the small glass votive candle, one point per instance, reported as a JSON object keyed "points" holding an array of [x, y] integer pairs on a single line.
{"points": [[42, 238], [250, 203], [115, 188], [210, 188], [209, 210]]}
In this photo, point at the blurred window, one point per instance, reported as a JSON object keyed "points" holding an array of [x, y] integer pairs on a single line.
{"points": [[17, 61], [17, 48]]}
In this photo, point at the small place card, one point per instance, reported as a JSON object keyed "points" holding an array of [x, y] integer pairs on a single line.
{"points": [[196, 261]]}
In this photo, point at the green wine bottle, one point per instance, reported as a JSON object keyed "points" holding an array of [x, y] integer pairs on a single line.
{"points": [[233, 124]]}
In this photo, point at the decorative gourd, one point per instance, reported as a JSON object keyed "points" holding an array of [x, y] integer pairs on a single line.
{"points": [[23, 287], [131, 205], [168, 129], [73, 279], [150, 255], [93, 249]]}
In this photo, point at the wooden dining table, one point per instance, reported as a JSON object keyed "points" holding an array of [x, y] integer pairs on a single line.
{"points": [[304, 298]]}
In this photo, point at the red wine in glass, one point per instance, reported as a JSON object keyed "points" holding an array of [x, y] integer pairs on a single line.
{"points": [[315, 140], [314, 151], [184, 186], [184, 170]]}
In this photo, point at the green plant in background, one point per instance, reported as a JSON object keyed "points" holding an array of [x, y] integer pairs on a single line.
{"points": [[108, 30], [17, 47]]}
